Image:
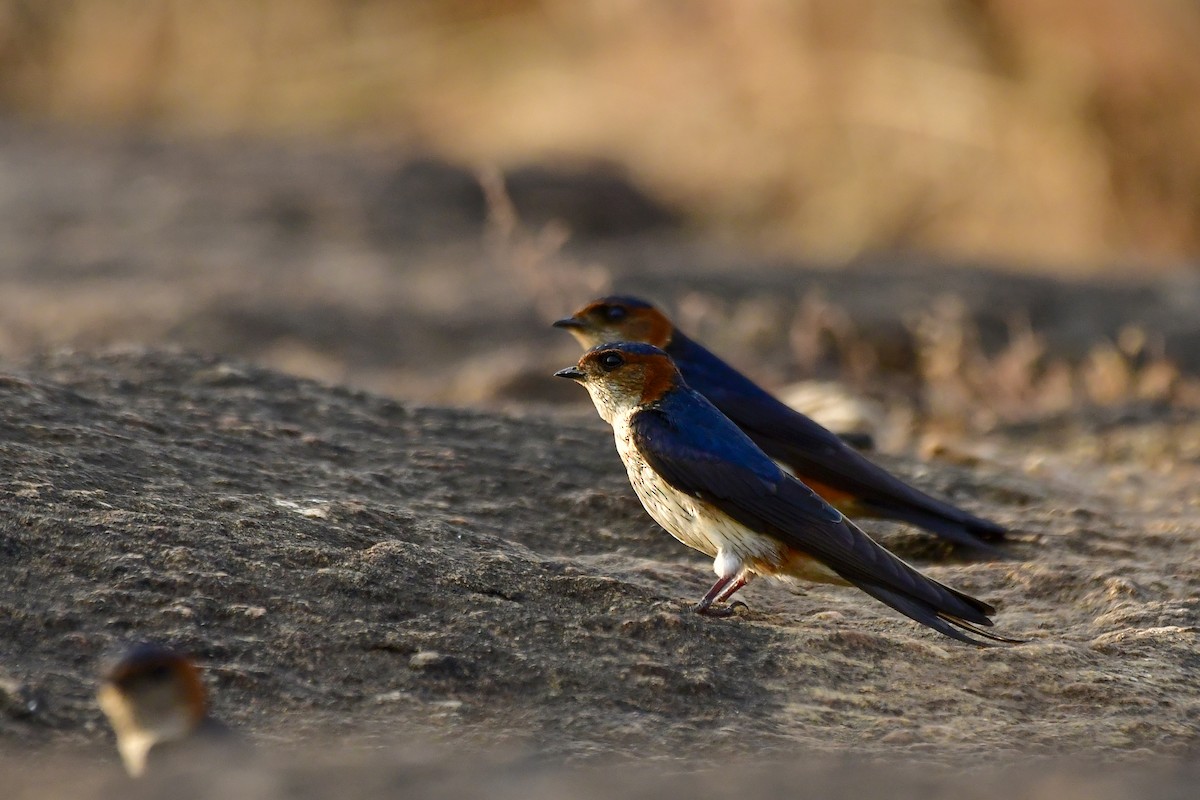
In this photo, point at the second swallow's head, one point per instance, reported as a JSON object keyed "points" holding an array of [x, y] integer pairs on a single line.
{"points": [[618, 319], [621, 376], [150, 696]]}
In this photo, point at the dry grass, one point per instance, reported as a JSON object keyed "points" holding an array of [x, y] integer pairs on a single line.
{"points": [[534, 258], [1064, 131], [965, 388]]}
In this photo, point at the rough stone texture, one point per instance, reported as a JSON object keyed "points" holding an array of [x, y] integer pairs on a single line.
{"points": [[351, 567]]}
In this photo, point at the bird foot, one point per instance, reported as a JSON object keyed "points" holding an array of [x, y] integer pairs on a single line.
{"points": [[721, 611]]}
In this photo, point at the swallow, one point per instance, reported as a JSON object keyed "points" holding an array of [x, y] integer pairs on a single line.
{"points": [[712, 488], [843, 476], [154, 697]]}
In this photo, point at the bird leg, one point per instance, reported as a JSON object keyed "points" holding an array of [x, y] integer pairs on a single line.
{"points": [[721, 591], [729, 591]]}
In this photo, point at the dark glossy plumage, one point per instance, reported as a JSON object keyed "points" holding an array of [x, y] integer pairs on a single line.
{"points": [[818, 455], [698, 451]]}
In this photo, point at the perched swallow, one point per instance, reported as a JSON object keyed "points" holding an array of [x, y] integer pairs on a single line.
{"points": [[713, 489], [154, 697], [837, 472]]}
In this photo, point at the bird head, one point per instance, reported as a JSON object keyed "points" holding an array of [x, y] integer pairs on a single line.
{"points": [[621, 376], [618, 319], [150, 696]]}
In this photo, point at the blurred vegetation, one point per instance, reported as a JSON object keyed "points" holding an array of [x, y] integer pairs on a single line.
{"points": [[1061, 133]]}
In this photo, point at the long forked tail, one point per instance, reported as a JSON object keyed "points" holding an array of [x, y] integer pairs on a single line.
{"points": [[935, 605], [953, 525], [817, 455], [944, 622]]}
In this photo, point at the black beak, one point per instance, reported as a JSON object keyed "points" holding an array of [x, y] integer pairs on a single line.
{"points": [[569, 322], [574, 373]]}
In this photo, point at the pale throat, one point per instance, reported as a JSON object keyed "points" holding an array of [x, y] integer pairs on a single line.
{"points": [[611, 406]]}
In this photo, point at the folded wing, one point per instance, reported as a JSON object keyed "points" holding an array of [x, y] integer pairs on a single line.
{"points": [[700, 452], [818, 454]]}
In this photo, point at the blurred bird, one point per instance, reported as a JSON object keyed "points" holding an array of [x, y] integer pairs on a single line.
{"points": [[818, 457], [155, 698], [713, 489]]}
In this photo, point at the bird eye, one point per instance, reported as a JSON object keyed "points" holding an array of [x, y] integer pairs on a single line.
{"points": [[614, 313], [610, 361]]}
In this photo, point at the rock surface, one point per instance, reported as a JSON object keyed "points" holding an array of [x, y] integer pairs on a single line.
{"points": [[350, 568]]}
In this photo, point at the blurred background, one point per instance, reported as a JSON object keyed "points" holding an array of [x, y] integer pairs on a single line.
{"points": [[969, 228], [989, 209]]}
